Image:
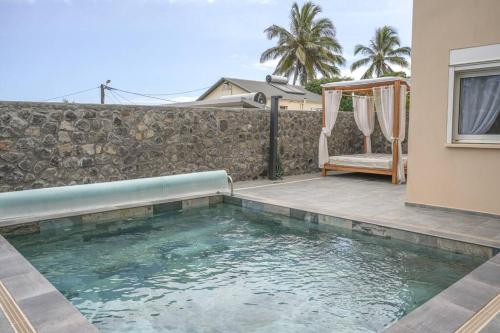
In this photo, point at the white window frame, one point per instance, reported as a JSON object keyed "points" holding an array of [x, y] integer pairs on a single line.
{"points": [[471, 62]]}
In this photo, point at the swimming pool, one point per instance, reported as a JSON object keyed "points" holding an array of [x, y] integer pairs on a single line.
{"points": [[231, 269]]}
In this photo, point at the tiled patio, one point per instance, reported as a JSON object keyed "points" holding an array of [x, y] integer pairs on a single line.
{"points": [[371, 199]]}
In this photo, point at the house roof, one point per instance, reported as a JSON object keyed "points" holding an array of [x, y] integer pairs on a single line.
{"points": [[236, 102], [287, 91]]}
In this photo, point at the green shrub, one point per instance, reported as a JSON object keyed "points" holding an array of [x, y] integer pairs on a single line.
{"points": [[315, 87], [346, 102]]}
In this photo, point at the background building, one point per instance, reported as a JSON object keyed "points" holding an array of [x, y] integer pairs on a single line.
{"points": [[293, 97]]}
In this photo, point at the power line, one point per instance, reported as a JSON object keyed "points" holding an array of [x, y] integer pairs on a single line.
{"points": [[123, 97], [153, 96], [143, 95], [115, 98], [181, 92], [70, 94]]}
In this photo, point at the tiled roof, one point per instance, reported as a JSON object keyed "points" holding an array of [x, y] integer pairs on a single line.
{"points": [[269, 89]]}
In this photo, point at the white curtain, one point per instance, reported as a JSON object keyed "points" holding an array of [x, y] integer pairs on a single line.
{"points": [[364, 116], [479, 104], [384, 104], [332, 104]]}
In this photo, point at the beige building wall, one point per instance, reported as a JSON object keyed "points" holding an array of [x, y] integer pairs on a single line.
{"points": [[462, 178], [299, 105], [225, 90], [231, 89]]}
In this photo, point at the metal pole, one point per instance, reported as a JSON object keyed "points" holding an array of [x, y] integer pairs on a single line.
{"points": [[273, 135], [102, 93]]}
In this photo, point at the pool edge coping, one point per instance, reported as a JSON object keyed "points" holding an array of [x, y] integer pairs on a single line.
{"points": [[458, 243], [454, 307], [35, 219], [270, 207], [36, 297], [17, 274], [418, 319]]}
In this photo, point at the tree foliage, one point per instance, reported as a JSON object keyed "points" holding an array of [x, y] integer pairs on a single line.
{"points": [[309, 47], [383, 51], [399, 74], [315, 87]]}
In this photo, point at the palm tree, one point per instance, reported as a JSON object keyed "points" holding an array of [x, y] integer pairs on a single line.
{"points": [[308, 48], [384, 50]]}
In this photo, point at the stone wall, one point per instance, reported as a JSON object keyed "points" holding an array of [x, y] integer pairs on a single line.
{"points": [[54, 144]]}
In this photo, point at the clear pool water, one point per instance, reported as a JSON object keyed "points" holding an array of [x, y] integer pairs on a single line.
{"points": [[228, 269]]}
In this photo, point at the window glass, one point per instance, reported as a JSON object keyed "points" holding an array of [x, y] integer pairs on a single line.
{"points": [[479, 105]]}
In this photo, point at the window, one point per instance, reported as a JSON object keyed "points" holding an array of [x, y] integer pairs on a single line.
{"points": [[474, 100]]}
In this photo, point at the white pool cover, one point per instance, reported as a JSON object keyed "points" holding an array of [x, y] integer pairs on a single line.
{"points": [[61, 201]]}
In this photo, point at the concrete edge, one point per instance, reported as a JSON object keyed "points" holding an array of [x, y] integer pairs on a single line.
{"points": [[482, 318], [38, 300], [451, 309], [113, 107], [21, 227], [434, 238], [13, 314], [27, 286], [445, 312], [69, 213], [454, 210]]}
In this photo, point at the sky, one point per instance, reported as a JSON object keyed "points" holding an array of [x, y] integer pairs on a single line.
{"points": [[49, 48]]}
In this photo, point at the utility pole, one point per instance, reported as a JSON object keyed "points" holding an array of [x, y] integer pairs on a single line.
{"points": [[103, 88], [102, 93]]}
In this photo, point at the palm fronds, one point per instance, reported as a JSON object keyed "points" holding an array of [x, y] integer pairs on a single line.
{"points": [[309, 46], [383, 51]]}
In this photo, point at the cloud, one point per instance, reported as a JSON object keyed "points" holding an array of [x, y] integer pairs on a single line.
{"points": [[248, 62], [260, 2], [17, 1], [267, 66], [33, 1]]}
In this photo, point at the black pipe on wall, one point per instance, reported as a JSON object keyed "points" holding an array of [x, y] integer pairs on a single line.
{"points": [[273, 144]]}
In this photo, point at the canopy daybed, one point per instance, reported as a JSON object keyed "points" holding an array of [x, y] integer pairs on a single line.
{"points": [[385, 97]]}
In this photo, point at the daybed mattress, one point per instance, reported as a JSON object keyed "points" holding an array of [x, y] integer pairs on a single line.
{"points": [[375, 161]]}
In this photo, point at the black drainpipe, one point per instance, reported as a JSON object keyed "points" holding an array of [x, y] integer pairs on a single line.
{"points": [[273, 147]]}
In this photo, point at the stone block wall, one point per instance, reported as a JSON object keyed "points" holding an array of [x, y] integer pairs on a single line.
{"points": [[55, 144]]}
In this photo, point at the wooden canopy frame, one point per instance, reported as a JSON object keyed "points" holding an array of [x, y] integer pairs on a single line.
{"points": [[367, 89]]}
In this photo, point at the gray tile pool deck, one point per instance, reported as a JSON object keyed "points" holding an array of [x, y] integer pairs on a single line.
{"points": [[371, 199], [4, 324], [374, 201], [363, 203], [46, 309], [493, 326], [41, 305]]}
